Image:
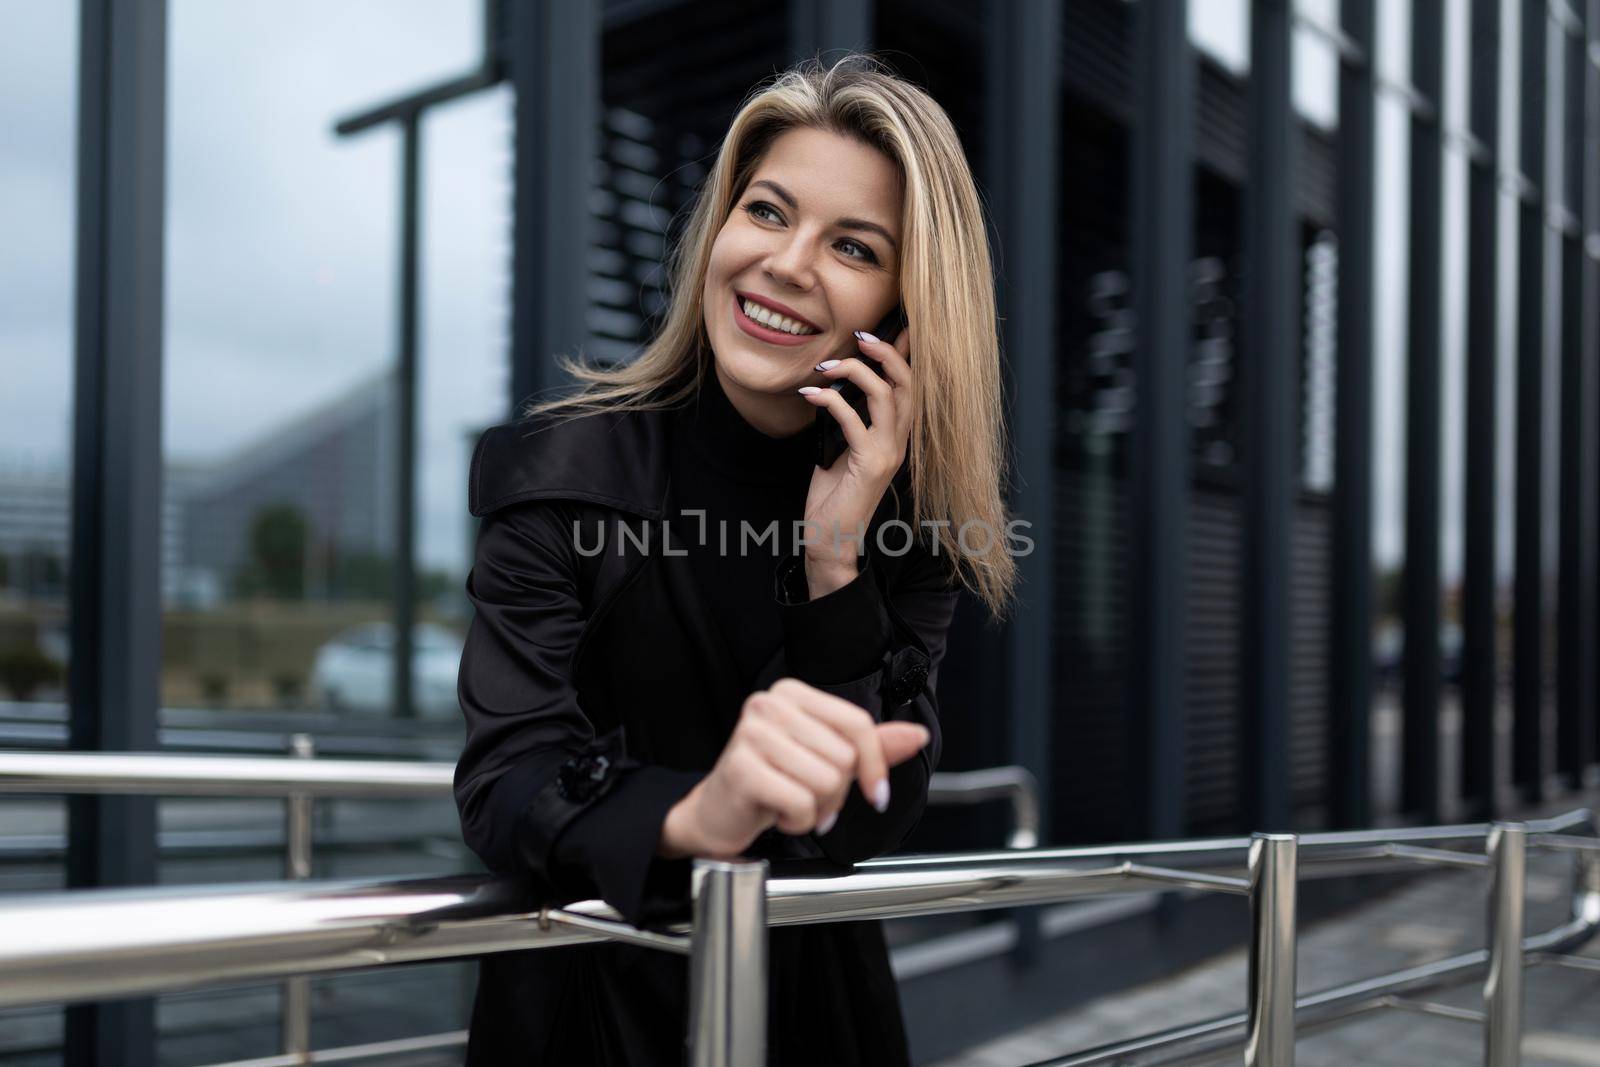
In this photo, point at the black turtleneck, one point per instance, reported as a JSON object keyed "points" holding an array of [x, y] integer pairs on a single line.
{"points": [[737, 475]]}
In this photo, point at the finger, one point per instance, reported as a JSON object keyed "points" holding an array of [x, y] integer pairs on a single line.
{"points": [[819, 738], [827, 743], [855, 725], [792, 806], [891, 357], [902, 740], [826, 781], [880, 393], [895, 359], [855, 431]]}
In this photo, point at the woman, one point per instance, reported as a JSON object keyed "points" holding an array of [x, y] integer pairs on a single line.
{"points": [[653, 672]]}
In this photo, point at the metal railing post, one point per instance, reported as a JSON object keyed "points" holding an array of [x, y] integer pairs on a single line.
{"points": [[297, 835], [1269, 1025], [1586, 887], [1507, 849], [728, 965]]}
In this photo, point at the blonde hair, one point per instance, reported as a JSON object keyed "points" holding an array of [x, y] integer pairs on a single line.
{"points": [[958, 444]]}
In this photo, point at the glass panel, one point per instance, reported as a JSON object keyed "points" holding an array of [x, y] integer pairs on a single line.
{"points": [[38, 112], [1316, 78], [1453, 366], [38, 101], [280, 419], [1391, 209], [1221, 29], [464, 376], [281, 433], [1394, 40]]}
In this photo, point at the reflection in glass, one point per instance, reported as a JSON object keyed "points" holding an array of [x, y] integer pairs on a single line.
{"points": [[280, 404], [281, 433], [38, 101]]}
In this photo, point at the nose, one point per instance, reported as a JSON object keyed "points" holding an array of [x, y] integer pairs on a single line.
{"points": [[789, 263]]}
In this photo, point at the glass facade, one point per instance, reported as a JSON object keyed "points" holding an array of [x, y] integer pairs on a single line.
{"points": [[281, 429], [281, 411], [38, 106], [38, 98]]}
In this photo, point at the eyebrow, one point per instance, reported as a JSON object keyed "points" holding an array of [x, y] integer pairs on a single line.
{"points": [[848, 224]]}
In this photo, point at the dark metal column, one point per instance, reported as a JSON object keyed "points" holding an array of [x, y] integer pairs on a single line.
{"points": [[1419, 775], [817, 27], [115, 587], [1591, 336], [553, 60], [1479, 678], [1022, 114], [1527, 672], [1350, 725], [1575, 699], [1271, 347], [405, 554], [1163, 174]]}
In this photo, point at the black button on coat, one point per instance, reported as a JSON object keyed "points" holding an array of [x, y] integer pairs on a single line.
{"points": [[597, 692]]}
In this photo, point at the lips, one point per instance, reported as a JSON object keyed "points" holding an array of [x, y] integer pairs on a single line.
{"points": [[782, 309], [765, 333]]}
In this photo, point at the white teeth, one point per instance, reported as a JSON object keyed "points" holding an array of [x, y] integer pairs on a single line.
{"points": [[775, 320]]}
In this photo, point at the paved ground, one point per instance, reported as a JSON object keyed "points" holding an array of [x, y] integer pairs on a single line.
{"points": [[1436, 916]]}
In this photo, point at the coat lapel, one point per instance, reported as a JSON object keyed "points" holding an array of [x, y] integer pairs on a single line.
{"points": [[622, 461], [615, 459]]}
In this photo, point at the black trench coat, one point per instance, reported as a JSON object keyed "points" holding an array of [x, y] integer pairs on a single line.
{"points": [[596, 683]]}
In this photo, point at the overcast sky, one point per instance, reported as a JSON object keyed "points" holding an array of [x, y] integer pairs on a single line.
{"points": [[281, 238]]}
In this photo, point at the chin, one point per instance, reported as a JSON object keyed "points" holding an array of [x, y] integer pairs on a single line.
{"points": [[761, 374]]}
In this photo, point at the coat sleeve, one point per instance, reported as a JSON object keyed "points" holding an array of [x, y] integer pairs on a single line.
{"points": [[537, 791], [880, 649]]}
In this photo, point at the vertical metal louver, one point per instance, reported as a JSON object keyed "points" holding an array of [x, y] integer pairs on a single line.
{"points": [[663, 114], [1094, 750]]}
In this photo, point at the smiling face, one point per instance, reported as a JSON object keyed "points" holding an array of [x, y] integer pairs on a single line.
{"points": [[815, 236]]}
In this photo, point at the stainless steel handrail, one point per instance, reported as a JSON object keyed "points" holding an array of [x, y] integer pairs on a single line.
{"points": [[267, 776], [300, 781], [86, 944], [143, 773], [330, 925], [1014, 784]]}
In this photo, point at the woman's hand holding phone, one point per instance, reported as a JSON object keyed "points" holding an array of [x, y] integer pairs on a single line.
{"points": [[844, 496], [789, 763]]}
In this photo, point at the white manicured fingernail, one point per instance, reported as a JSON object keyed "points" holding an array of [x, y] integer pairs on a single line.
{"points": [[880, 796], [827, 824], [827, 364], [807, 390], [867, 337]]}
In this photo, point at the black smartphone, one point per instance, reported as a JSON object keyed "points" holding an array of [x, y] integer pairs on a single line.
{"points": [[830, 436]]}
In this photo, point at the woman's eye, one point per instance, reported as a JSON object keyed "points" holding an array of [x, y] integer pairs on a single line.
{"points": [[761, 205], [760, 209], [866, 253]]}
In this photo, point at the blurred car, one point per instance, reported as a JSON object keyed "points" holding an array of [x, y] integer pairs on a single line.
{"points": [[354, 672]]}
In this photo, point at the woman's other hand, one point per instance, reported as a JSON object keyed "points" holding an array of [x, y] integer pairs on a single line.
{"points": [[843, 497], [789, 764]]}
